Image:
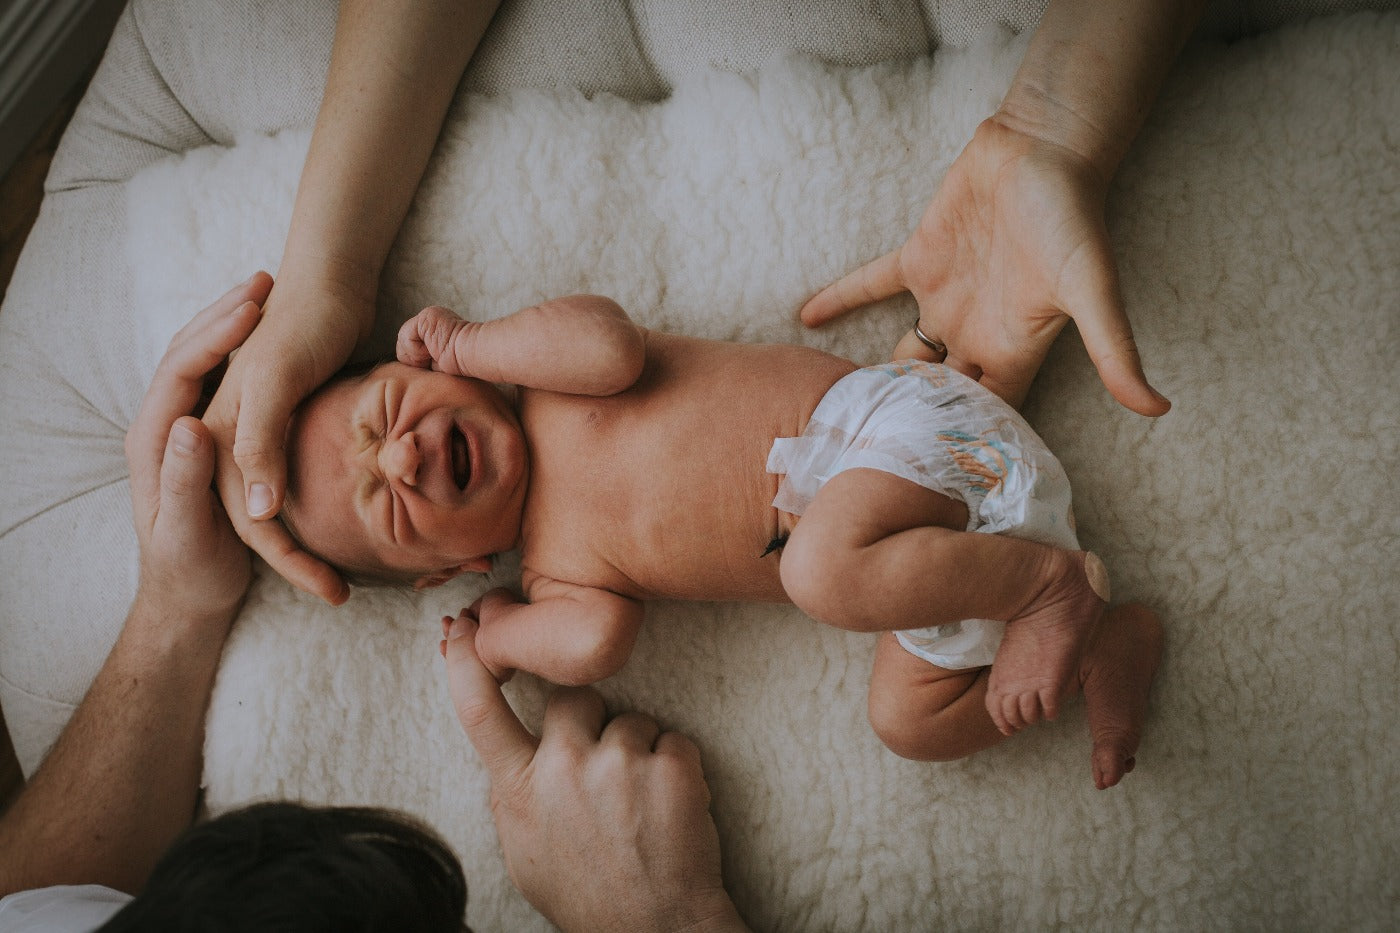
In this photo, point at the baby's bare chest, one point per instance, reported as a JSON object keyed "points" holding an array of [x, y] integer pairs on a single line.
{"points": [[663, 491]]}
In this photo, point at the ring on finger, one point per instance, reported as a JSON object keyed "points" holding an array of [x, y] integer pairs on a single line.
{"points": [[928, 341]]}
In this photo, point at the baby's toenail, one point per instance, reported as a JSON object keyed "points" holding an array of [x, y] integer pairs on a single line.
{"points": [[1097, 574]]}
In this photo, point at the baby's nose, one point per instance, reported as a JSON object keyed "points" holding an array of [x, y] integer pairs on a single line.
{"points": [[400, 459]]}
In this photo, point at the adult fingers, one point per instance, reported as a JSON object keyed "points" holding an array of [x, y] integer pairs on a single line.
{"points": [[634, 731], [284, 555], [255, 289], [1093, 299], [506, 747], [178, 382], [198, 349], [676, 746], [682, 756], [188, 467], [872, 282], [185, 474], [910, 347], [574, 717], [259, 447], [1011, 384], [963, 364]]}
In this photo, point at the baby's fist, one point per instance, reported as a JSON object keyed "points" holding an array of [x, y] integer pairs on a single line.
{"points": [[427, 340]]}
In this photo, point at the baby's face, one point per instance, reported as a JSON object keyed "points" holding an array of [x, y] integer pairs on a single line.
{"points": [[406, 471]]}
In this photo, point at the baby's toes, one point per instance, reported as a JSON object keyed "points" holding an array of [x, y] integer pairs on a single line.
{"points": [[1109, 767], [998, 717], [1011, 709], [1030, 708]]}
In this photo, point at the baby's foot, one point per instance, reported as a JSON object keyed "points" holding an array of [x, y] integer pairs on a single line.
{"points": [[1116, 675], [1034, 668]]}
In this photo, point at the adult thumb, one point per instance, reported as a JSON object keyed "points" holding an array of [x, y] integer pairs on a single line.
{"points": [[506, 747], [259, 449], [1095, 302], [186, 472]]}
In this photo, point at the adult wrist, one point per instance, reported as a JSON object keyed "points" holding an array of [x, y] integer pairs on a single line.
{"points": [[173, 626], [1040, 118], [354, 279]]}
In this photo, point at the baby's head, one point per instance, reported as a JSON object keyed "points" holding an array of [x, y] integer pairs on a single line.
{"points": [[403, 474]]}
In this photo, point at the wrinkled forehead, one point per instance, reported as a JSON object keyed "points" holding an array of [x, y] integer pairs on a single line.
{"points": [[319, 486], [323, 420]]}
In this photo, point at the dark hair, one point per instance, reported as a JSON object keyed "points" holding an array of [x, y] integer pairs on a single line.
{"points": [[276, 867]]}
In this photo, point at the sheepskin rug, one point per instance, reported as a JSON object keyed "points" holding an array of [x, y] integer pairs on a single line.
{"points": [[1257, 226]]}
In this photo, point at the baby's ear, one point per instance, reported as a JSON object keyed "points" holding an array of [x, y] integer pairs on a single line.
{"points": [[439, 577]]}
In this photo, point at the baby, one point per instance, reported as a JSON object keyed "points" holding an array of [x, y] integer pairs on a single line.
{"points": [[627, 464]]}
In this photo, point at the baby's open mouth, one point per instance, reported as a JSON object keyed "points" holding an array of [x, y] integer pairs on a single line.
{"points": [[461, 460]]}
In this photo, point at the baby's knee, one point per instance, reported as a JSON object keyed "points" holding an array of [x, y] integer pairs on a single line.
{"points": [[820, 578], [900, 731], [912, 733]]}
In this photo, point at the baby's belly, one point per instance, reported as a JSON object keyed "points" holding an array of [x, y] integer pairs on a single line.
{"points": [[745, 573]]}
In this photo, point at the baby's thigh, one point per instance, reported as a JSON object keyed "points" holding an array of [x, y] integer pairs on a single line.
{"points": [[859, 507], [925, 712], [863, 534]]}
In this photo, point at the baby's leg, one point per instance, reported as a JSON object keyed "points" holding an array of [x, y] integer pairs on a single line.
{"points": [[1045, 641], [927, 713], [873, 553], [1116, 675]]}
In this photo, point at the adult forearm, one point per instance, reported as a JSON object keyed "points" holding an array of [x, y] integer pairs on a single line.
{"points": [[122, 781], [1093, 70], [394, 69]]}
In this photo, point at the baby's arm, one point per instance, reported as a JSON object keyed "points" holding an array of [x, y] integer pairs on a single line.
{"points": [[567, 634], [583, 345]]}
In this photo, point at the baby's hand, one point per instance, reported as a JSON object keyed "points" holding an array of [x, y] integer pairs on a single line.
{"points": [[469, 616], [428, 340]]}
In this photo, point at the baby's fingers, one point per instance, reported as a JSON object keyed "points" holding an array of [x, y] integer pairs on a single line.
{"points": [[427, 340], [410, 348]]}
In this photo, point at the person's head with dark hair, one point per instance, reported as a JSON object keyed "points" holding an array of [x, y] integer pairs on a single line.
{"points": [[276, 867]]}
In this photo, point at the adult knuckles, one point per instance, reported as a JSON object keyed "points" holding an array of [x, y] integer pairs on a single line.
{"points": [[180, 478], [475, 714], [253, 454]]}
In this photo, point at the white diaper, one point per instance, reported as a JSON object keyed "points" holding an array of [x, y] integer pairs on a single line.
{"points": [[934, 426]]}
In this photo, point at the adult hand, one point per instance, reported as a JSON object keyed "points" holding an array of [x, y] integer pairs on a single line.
{"points": [[193, 566], [285, 360], [604, 823], [1012, 246]]}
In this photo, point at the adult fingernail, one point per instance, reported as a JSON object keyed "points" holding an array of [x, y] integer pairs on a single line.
{"points": [[185, 440], [457, 629], [259, 500]]}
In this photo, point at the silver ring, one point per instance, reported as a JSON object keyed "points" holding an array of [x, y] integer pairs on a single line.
{"points": [[928, 341]]}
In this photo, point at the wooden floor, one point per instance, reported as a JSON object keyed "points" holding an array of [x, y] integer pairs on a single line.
{"points": [[21, 190]]}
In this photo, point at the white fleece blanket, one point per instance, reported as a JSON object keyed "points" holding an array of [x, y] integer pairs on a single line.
{"points": [[1257, 224]]}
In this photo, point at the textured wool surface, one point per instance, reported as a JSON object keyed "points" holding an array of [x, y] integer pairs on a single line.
{"points": [[1257, 226]]}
